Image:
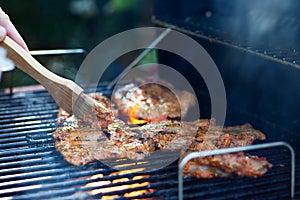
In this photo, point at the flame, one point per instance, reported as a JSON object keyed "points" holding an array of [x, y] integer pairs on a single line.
{"points": [[130, 164], [132, 114], [121, 187]]}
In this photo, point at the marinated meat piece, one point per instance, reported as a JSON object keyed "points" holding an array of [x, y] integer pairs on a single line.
{"points": [[151, 103], [225, 165], [125, 143], [200, 134], [203, 135], [85, 139], [79, 143], [172, 135], [76, 145], [213, 137]]}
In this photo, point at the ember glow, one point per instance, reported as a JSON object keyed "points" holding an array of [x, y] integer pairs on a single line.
{"points": [[133, 110], [125, 186], [132, 115]]}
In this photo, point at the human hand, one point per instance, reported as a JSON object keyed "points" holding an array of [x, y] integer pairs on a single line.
{"points": [[7, 28]]}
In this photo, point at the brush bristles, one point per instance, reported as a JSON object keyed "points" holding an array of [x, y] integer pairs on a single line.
{"points": [[85, 105]]}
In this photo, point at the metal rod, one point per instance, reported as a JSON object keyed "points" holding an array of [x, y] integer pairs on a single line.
{"points": [[233, 150], [11, 80], [57, 52], [45, 52], [140, 57]]}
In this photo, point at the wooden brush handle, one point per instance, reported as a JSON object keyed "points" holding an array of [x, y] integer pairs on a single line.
{"points": [[65, 92]]}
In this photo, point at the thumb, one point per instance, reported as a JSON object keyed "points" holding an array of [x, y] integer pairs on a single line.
{"points": [[2, 33]]}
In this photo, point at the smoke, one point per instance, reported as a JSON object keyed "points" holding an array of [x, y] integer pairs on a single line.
{"points": [[267, 23], [268, 89]]}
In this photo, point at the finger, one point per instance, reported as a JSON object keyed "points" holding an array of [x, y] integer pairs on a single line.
{"points": [[2, 33], [11, 31]]}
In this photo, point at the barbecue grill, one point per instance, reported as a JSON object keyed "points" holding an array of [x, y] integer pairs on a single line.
{"points": [[31, 167]]}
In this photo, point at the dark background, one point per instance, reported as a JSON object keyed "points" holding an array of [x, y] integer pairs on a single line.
{"points": [[68, 24]]}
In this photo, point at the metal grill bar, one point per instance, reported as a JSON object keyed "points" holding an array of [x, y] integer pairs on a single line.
{"points": [[58, 52], [29, 110]]}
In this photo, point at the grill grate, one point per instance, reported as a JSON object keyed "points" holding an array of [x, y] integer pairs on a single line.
{"points": [[31, 168]]}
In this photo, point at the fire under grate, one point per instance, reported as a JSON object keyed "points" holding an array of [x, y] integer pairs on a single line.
{"points": [[31, 168]]}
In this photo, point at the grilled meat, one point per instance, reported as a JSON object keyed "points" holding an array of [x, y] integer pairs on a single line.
{"points": [[214, 137], [172, 135], [152, 103], [88, 138], [84, 139], [76, 144], [227, 164], [200, 135], [97, 118], [80, 143], [203, 135]]}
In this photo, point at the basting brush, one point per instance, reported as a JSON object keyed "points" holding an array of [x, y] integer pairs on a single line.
{"points": [[66, 93]]}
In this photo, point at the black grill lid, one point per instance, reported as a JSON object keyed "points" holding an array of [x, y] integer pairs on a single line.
{"points": [[266, 29]]}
